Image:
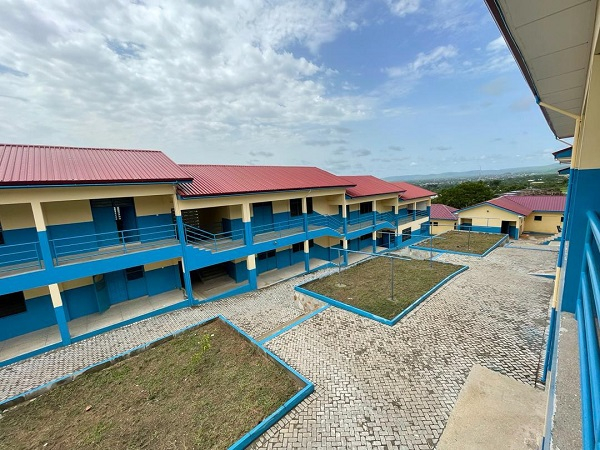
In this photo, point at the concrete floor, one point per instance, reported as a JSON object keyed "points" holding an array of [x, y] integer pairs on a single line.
{"points": [[275, 276], [120, 312], [496, 412]]}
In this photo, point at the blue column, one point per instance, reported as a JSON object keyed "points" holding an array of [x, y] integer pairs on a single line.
{"points": [[305, 217], [248, 239], [374, 244], [306, 261], [345, 226], [414, 214], [187, 280], [374, 217], [252, 278], [45, 250], [61, 320]]}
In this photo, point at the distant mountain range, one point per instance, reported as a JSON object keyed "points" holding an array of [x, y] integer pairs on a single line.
{"points": [[475, 174]]}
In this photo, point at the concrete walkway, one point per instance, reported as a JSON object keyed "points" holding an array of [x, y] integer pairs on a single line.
{"points": [[376, 386]]}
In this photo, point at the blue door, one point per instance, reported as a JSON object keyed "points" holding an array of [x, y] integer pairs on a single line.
{"points": [[266, 261], [101, 293], [117, 286], [129, 223], [262, 217], [105, 225], [136, 282]]}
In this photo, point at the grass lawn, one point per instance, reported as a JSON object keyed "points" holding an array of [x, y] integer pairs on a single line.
{"points": [[459, 241], [367, 285], [201, 390]]}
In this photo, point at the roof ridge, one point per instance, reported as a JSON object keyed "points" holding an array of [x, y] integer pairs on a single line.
{"points": [[57, 147]]}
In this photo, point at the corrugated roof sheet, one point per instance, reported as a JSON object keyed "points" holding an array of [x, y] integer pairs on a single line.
{"points": [[442, 212], [366, 185], [555, 203], [51, 165], [410, 191], [506, 202], [211, 180]]}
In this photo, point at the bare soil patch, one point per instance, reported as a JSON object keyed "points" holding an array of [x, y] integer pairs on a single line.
{"points": [[368, 285], [203, 389]]}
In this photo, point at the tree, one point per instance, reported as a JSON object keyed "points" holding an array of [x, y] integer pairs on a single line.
{"points": [[465, 194]]}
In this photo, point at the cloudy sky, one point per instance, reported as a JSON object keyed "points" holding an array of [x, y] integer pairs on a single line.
{"points": [[387, 87]]}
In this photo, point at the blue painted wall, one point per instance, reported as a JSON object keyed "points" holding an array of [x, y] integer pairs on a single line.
{"points": [[81, 238], [237, 271], [284, 258], [18, 246], [156, 220], [584, 197], [163, 280], [321, 253], [80, 301], [235, 225], [297, 256], [39, 314]]}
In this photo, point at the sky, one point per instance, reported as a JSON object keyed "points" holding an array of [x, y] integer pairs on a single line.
{"points": [[381, 87]]}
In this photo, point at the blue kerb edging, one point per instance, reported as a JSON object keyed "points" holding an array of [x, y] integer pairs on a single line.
{"points": [[368, 315], [241, 443], [438, 250], [293, 324]]}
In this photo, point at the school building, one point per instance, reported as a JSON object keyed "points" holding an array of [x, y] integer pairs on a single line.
{"points": [[92, 239], [443, 218], [515, 215]]}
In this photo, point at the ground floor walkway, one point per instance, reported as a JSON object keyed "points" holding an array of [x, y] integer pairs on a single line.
{"points": [[375, 386]]}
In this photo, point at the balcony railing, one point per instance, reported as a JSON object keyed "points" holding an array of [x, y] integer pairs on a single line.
{"points": [[388, 216], [214, 242], [325, 221], [89, 246], [588, 315], [277, 229], [20, 257], [360, 221]]}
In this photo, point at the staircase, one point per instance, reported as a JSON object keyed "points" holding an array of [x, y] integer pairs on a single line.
{"points": [[211, 272]]}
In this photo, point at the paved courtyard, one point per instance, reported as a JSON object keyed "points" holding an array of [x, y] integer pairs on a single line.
{"points": [[375, 386]]}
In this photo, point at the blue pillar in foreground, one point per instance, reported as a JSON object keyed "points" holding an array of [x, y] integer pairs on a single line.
{"points": [[187, 280]]}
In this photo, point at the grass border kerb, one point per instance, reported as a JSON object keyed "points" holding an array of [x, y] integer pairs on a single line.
{"points": [[241, 443], [453, 252], [367, 314]]}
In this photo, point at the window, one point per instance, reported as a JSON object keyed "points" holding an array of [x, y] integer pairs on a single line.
{"points": [[295, 207], [13, 303], [311, 243], [562, 218], [406, 234], [537, 218], [265, 255], [297, 247], [366, 207], [309, 207], [1, 235], [134, 273], [435, 224], [364, 237]]}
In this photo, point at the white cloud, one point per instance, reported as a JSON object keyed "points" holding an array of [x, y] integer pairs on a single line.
{"points": [[178, 76], [402, 8], [436, 61], [498, 44]]}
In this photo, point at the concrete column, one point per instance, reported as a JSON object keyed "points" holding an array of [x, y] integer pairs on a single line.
{"points": [[59, 311], [306, 256], [251, 266], [247, 220], [396, 210], [40, 226], [187, 280], [345, 215], [374, 238], [305, 214], [374, 207], [345, 254], [414, 214]]}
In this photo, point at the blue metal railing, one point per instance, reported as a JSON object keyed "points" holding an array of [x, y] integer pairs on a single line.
{"points": [[20, 256], [280, 228], [588, 316], [214, 242], [325, 221], [388, 216], [113, 242], [361, 221]]}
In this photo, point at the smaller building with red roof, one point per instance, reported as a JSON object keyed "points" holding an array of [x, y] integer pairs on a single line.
{"points": [[442, 218], [514, 215]]}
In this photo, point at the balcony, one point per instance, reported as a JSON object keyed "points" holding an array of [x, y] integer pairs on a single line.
{"points": [[387, 217], [318, 221], [213, 242], [277, 230], [104, 245], [359, 222], [412, 216], [20, 258]]}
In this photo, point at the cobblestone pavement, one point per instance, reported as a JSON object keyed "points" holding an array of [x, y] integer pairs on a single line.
{"points": [[375, 386], [256, 313], [394, 387]]}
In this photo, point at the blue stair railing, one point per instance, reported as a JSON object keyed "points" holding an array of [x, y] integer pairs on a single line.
{"points": [[214, 242], [21, 256]]}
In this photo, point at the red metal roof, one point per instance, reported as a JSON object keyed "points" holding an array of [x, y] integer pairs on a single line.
{"points": [[49, 165], [506, 202], [211, 180], [369, 185], [442, 212], [554, 203], [410, 191]]}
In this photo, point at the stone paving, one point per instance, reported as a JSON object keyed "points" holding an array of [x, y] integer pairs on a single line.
{"points": [[375, 386]]}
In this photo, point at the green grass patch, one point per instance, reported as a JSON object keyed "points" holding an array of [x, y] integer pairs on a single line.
{"points": [[204, 389], [368, 285], [463, 241]]}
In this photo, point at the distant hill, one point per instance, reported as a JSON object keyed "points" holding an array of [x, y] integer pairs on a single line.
{"points": [[476, 174]]}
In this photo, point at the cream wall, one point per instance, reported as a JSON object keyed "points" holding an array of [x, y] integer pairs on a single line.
{"points": [[442, 225], [15, 217], [548, 224], [487, 216], [153, 205], [60, 213]]}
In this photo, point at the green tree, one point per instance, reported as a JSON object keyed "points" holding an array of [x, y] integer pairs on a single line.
{"points": [[465, 194]]}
